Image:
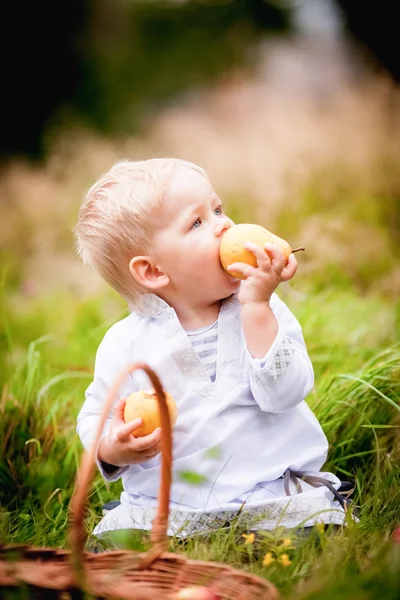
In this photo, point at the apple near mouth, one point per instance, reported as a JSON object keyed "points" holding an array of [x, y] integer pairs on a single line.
{"points": [[232, 249]]}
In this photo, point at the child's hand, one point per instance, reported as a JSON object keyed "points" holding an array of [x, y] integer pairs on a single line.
{"points": [[262, 281], [121, 448]]}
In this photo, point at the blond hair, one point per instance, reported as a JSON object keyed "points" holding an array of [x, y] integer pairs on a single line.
{"points": [[116, 218]]}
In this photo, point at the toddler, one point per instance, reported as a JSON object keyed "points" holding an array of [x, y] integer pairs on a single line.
{"points": [[229, 351]]}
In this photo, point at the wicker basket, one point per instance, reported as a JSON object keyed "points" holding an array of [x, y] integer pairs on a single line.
{"points": [[125, 574]]}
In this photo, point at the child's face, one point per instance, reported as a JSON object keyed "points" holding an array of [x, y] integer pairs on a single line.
{"points": [[186, 246]]}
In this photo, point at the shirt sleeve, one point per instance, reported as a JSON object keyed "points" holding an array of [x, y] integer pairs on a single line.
{"points": [[285, 375], [111, 358]]}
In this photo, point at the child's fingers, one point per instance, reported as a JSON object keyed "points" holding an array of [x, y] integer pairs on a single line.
{"points": [[290, 269], [152, 452], [275, 255], [261, 256], [150, 455], [243, 269], [125, 432], [118, 412], [148, 441]]}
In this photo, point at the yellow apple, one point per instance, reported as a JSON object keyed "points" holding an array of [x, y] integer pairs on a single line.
{"points": [[232, 248], [144, 405]]}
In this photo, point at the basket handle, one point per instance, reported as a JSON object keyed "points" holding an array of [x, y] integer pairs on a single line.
{"points": [[86, 469]]}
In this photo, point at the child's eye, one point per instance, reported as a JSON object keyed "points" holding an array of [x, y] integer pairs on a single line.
{"points": [[218, 211], [197, 223]]}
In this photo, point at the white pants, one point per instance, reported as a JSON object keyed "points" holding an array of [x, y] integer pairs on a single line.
{"points": [[264, 507]]}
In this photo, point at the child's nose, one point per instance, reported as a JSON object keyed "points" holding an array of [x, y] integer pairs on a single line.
{"points": [[222, 226]]}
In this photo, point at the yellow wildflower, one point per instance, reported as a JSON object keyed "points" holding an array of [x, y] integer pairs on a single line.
{"points": [[249, 538], [320, 527], [268, 559], [286, 542], [285, 560]]}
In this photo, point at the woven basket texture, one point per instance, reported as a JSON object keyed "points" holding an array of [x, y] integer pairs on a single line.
{"points": [[41, 573]]}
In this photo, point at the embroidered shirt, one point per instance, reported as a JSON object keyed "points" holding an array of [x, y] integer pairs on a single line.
{"points": [[205, 341], [245, 428]]}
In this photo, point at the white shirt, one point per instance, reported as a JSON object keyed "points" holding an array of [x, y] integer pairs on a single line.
{"points": [[244, 429]]}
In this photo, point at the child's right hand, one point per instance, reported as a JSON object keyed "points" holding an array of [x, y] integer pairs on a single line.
{"points": [[119, 447]]}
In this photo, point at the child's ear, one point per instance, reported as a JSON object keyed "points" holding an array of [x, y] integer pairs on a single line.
{"points": [[146, 272]]}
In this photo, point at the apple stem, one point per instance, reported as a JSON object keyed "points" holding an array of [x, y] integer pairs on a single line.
{"points": [[297, 250]]}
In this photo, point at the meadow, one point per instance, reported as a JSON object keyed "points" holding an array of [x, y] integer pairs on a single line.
{"points": [[54, 313]]}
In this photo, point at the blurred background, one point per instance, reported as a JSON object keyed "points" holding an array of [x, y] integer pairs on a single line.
{"points": [[292, 107]]}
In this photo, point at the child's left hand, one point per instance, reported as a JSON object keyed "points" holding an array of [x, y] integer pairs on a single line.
{"points": [[262, 281]]}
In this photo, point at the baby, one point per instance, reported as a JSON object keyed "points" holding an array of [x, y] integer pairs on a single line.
{"points": [[230, 352]]}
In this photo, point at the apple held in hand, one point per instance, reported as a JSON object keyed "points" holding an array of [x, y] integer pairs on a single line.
{"points": [[232, 248], [144, 405]]}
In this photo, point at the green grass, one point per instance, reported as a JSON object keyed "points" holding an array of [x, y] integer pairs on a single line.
{"points": [[48, 347]]}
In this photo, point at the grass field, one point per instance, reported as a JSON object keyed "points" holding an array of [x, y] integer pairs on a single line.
{"points": [[48, 358]]}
